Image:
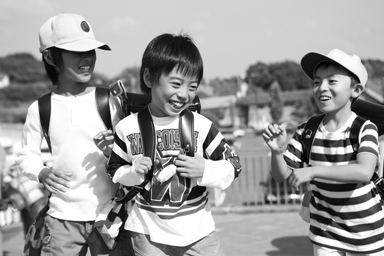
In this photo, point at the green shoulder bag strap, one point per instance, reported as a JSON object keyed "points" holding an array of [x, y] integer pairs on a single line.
{"points": [[148, 138]]}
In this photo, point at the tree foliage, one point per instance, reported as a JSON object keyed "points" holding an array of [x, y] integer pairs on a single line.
{"points": [[258, 75], [288, 74], [304, 109], [222, 87], [277, 102], [375, 68], [29, 81], [23, 68]]}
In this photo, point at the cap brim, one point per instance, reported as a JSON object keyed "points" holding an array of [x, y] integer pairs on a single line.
{"points": [[84, 46], [310, 61]]}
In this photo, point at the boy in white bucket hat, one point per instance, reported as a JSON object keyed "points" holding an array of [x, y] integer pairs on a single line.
{"points": [[346, 215], [80, 143]]}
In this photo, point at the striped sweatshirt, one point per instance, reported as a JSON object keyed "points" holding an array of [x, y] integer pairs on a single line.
{"points": [[343, 216], [177, 211]]}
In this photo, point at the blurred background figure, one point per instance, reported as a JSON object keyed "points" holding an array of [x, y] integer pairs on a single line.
{"points": [[2, 163], [29, 197], [21, 198]]}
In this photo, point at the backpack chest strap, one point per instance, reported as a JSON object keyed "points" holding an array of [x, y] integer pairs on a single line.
{"points": [[148, 138]]}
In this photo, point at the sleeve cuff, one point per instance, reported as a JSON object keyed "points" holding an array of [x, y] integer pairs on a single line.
{"points": [[127, 177], [217, 174]]}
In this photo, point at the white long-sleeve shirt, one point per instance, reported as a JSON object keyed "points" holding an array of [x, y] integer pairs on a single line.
{"points": [[177, 211], [74, 123]]}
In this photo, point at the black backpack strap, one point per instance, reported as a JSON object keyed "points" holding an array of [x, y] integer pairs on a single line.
{"points": [[355, 131], [195, 105], [44, 103], [102, 102], [187, 137], [354, 138], [148, 138], [309, 134]]}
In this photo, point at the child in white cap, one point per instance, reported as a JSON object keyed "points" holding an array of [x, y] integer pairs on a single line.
{"points": [[346, 215], [78, 182]]}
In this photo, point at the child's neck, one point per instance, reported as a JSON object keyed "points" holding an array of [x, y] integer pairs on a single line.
{"points": [[66, 88], [334, 121]]}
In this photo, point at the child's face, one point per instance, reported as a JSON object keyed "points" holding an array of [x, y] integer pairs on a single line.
{"points": [[172, 94], [332, 89], [78, 66]]}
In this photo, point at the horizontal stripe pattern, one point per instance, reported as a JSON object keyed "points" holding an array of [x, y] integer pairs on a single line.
{"points": [[344, 216], [188, 207]]}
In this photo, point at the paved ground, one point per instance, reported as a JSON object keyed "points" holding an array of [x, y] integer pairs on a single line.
{"points": [[241, 234], [259, 234]]}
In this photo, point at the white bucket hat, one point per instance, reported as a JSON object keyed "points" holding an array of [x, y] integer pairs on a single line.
{"points": [[351, 62], [69, 32]]}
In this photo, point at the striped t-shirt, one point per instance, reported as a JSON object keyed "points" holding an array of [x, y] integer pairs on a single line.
{"points": [[344, 216]]}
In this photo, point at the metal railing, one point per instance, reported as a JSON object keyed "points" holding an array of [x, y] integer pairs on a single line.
{"points": [[255, 186]]}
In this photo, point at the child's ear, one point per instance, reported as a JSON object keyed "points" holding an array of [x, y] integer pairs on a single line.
{"points": [[48, 58], [357, 90], [147, 78]]}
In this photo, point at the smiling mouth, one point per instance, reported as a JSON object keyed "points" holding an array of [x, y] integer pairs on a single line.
{"points": [[324, 98], [177, 104], [85, 68]]}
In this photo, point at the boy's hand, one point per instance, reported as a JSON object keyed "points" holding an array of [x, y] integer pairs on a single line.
{"points": [[275, 136], [55, 180], [190, 167], [142, 165], [300, 176], [104, 141]]}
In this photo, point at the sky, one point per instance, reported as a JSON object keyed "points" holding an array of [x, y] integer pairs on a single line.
{"points": [[230, 34]]}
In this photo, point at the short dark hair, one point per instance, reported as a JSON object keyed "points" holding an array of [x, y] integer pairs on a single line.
{"points": [[167, 51], [328, 64], [56, 55]]}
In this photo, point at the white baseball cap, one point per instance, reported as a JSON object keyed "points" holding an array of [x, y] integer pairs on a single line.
{"points": [[70, 32], [351, 62]]}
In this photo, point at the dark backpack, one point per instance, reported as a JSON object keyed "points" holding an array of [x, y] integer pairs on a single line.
{"points": [[309, 133], [134, 102], [131, 103], [102, 102]]}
